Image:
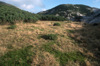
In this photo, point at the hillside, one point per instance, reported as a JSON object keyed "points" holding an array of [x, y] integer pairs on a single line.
{"points": [[69, 11], [46, 44], [93, 18], [11, 14]]}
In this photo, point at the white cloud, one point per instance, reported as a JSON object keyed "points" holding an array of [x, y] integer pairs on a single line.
{"points": [[43, 9], [28, 2], [27, 6], [16, 0]]}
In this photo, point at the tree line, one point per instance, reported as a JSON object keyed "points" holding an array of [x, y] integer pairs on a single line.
{"points": [[11, 14]]}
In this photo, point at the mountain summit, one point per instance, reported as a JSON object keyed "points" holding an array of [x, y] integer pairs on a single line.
{"points": [[69, 11]]}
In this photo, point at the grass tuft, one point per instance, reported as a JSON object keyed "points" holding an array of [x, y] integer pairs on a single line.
{"points": [[50, 37]]}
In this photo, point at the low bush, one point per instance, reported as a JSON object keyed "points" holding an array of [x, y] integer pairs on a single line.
{"points": [[56, 24], [50, 37]]}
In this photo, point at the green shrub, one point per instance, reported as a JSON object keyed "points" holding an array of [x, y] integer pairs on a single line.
{"points": [[50, 37], [12, 27], [56, 24]]}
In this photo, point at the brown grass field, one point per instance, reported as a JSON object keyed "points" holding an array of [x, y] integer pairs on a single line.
{"points": [[76, 45]]}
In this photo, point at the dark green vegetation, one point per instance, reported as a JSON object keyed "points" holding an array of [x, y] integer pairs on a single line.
{"points": [[69, 11], [52, 18], [63, 58], [56, 24], [50, 37], [21, 57], [11, 14], [12, 27]]}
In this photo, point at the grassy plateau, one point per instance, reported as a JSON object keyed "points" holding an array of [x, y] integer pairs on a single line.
{"points": [[49, 43]]}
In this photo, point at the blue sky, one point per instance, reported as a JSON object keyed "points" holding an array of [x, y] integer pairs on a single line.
{"points": [[42, 5]]}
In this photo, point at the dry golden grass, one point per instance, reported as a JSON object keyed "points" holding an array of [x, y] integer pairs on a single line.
{"points": [[27, 34]]}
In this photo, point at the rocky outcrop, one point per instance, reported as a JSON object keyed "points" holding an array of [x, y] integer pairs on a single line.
{"points": [[93, 18]]}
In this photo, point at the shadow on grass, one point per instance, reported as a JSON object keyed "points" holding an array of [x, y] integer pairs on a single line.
{"points": [[88, 37]]}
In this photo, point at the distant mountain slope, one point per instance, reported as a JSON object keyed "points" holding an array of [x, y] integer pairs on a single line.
{"points": [[69, 11], [10, 14], [93, 18]]}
